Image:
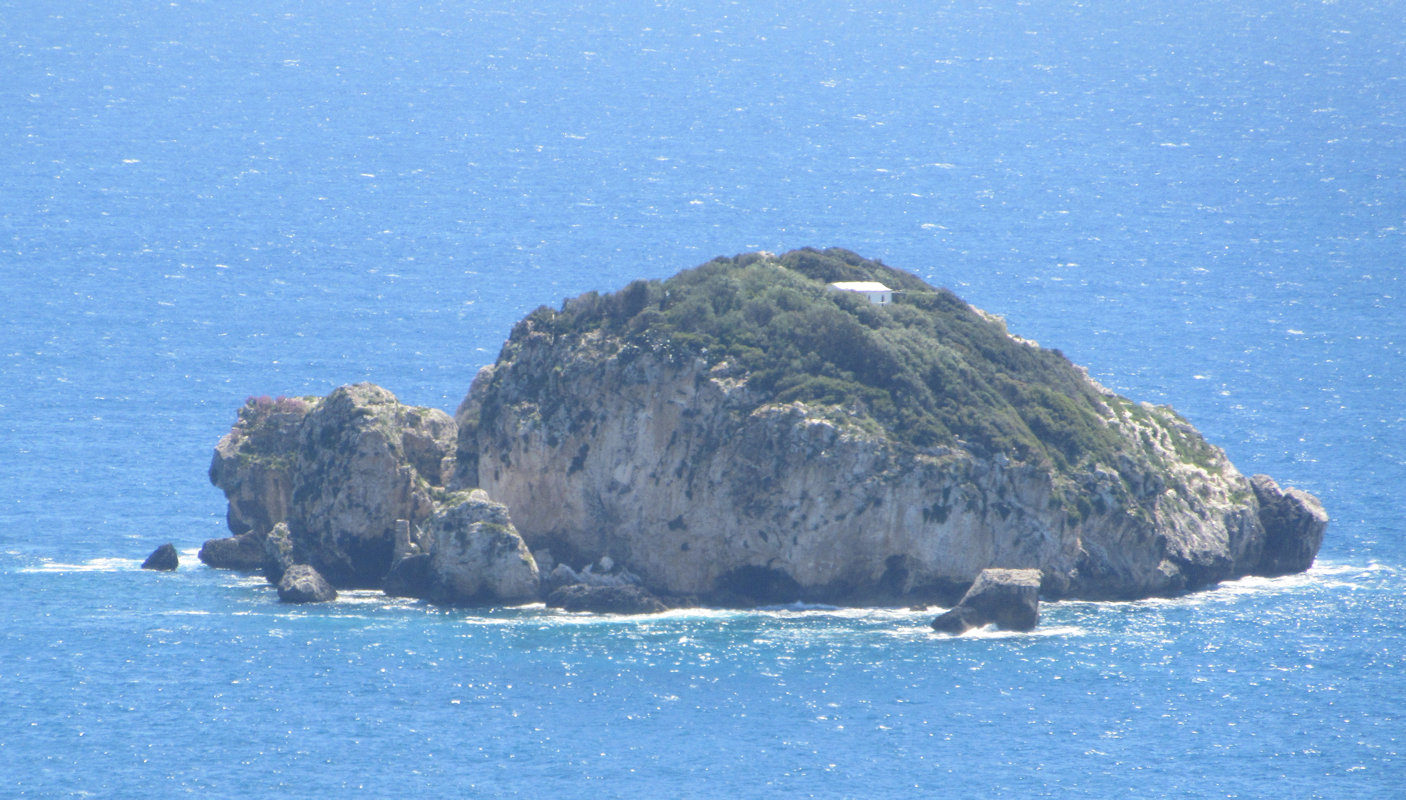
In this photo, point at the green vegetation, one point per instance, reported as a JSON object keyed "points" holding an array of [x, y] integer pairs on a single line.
{"points": [[929, 369]]}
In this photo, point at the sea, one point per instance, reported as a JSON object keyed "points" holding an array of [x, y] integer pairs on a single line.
{"points": [[1203, 202]]}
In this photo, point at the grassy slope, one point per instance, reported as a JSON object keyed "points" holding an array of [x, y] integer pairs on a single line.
{"points": [[928, 369]]}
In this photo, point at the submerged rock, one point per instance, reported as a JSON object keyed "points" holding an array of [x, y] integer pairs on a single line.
{"points": [[303, 584], [1007, 598], [164, 559]]}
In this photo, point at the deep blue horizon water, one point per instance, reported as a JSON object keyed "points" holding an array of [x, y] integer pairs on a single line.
{"points": [[1203, 203]]}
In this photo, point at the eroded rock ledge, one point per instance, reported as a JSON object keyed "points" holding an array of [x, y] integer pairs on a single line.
{"points": [[742, 434]]}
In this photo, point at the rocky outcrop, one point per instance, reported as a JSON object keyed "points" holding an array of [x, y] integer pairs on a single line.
{"points": [[958, 620], [253, 463], [608, 429], [364, 460], [353, 486], [163, 559], [337, 472], [410, 577], [303, 584], [476, 555], [616, 599], [604, 572], [253, 466], [1006, 598], [1293, 522]]}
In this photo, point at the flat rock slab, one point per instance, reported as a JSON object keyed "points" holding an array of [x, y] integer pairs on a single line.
{"points": [[605, 599], [242, 552]]}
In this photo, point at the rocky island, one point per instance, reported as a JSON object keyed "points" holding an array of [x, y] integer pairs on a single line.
{"points": [[756, 430]]}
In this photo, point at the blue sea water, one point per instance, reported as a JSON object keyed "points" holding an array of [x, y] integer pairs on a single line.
{"points": [[1202, 202]]}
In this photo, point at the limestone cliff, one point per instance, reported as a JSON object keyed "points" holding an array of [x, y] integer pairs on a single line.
{"points": [[742, 429]]}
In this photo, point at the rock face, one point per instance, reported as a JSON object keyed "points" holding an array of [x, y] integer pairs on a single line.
{"points": [[1008, 598], [630, 426], [303, 584], [278, 553], [253, 462], [164, 559], [253, 466]]}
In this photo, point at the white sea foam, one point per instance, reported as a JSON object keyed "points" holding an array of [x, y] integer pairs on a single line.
{"points": [[799, 606], [363, 597], [557, 616], [1337, 569], [990, 632], [91, 565]]}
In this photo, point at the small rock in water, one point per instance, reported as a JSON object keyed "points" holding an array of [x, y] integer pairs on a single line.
{"points": [[1008, 597], [303, 584], [163, 558]]}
